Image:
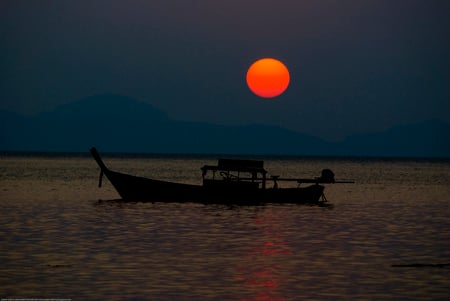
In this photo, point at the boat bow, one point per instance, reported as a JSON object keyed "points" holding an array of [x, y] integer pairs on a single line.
{"points": [[101, 164]]}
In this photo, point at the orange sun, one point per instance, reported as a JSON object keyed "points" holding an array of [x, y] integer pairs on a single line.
{"points": [[268, 77]]}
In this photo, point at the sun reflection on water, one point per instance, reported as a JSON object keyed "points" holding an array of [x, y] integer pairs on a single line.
{"points": [[263, 272]]}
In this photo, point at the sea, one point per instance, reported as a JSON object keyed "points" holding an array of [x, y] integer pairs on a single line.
{"points": [[385, 237]]}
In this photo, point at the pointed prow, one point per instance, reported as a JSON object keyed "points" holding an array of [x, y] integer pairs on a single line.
{"points": [[100, 163], [98, 159]]}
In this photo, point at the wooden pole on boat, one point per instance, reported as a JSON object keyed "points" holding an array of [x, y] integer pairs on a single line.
{"points": [[100, 179], [318, 181]]}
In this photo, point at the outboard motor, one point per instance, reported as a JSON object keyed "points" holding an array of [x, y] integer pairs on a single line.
{"points": [[327, 176]]}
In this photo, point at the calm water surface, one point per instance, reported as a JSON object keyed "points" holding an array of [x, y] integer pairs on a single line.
{"points": [[57, 240]]}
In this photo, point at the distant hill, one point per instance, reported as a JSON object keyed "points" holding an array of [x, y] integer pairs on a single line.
{"points": [[107, 107], [425, 139], [121, 124], [117, 123]]}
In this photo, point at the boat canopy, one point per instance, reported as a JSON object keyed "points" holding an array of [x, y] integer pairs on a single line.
{"points": [[252, 166], [228, 166]]}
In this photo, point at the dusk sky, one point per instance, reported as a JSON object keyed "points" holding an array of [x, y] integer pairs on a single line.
{"points": [[356, 66]]}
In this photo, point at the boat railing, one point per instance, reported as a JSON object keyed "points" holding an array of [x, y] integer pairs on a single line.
{"points": [[232, 170]]}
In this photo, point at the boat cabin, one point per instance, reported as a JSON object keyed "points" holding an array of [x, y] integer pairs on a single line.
{"points": [[232, 173]]}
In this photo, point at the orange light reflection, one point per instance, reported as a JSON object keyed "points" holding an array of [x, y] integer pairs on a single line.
{"points": [[263, 272]]}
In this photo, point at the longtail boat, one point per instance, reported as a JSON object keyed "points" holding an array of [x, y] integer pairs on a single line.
{"points": [[231, 181]]}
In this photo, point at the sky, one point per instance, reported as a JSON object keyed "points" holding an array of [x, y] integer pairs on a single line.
{"points": [[356, 66]]}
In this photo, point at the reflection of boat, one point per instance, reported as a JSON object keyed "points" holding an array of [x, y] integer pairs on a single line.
{"points": [[229, 182]]}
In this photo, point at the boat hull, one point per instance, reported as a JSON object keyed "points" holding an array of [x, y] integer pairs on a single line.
{"points": [[139, 189]]}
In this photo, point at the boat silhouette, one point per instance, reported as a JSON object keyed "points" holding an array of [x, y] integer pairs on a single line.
{"points": [[231, 181]]}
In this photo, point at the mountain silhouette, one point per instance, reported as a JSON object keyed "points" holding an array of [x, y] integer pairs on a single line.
{"points": [[425, 139], [107, 106], [117, 123]]}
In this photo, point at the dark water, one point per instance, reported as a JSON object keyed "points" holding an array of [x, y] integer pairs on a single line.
{"points": [[59, 241]]}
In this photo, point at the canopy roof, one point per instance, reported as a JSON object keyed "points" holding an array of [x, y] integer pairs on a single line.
{"points": [[237, 165]]}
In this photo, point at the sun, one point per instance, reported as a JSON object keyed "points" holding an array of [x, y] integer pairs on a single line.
{"points": [[268, 77]]}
